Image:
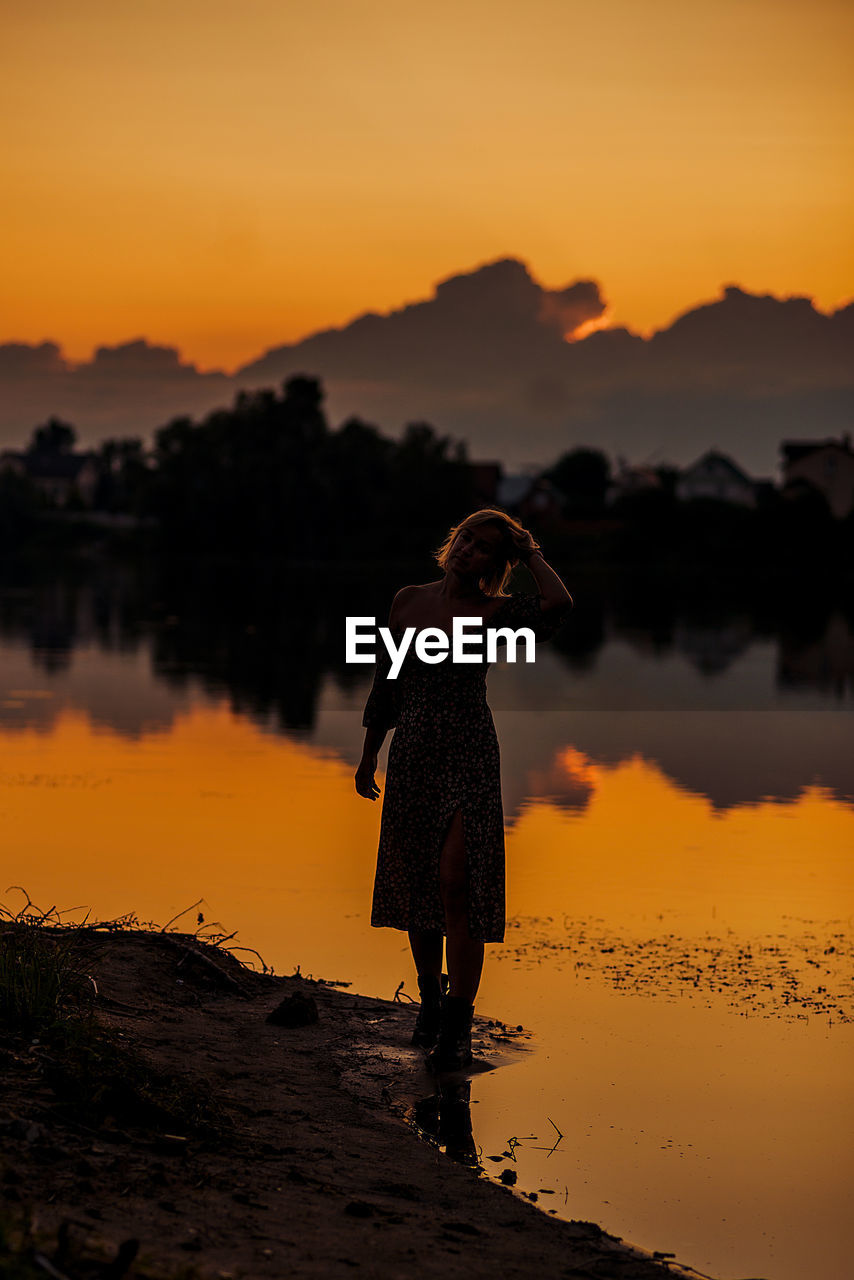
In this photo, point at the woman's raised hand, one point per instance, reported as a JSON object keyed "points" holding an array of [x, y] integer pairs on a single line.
{"points": [[365, 784], [525, 545]]}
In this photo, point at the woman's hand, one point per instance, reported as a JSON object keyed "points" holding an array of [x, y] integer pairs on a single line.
{"points": [[525, 545], [365, 784]]}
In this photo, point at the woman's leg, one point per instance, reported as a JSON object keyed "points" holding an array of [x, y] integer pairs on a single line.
{"points": [[427, 947], [465, 953], [427, 952]]}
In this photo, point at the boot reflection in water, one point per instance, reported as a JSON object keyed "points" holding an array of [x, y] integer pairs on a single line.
{"points": [[453, 1046], [446, 1118]]}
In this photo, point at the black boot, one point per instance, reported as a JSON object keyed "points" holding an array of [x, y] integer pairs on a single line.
{"points": [[453, 1048], [431, 989]]}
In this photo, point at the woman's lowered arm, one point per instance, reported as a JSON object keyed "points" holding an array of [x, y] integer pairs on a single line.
{"points": [[379, 716]]}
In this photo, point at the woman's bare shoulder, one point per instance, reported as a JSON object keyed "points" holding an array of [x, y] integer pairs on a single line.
{"points": [[406, 596], [420, 588]]}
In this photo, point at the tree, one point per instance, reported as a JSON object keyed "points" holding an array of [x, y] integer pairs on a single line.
{"points": [[19, 507], [54, 437], [268, 477], [121, 471], [582, 475]]}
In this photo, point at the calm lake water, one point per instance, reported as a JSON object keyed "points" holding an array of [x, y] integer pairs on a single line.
{"points": [[679, 796]]}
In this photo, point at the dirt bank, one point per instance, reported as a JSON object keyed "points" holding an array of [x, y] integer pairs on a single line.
{"points": [[232, 1146]]}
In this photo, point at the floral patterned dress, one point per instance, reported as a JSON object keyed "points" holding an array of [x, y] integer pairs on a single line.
{"points": [[443, 757]]}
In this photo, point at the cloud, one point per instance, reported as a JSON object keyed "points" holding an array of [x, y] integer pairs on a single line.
{"points": [[487, 359], [571, 308], [474, 324], [128, 389], [758, 341], [138, 359], [20, 360]]}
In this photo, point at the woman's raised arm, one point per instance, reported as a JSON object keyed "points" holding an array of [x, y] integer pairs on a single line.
{"points": [[553, 594]]}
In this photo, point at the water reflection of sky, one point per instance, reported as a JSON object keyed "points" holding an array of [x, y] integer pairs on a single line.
{"points": [[114, 690], [668, 805], [678, 1117], [735, 737]]}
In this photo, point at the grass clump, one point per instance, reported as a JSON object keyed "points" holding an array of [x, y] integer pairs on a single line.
{"points": [[48, 997], [43, 980]]}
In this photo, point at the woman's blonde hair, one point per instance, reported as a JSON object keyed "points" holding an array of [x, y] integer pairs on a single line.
{"points": [[514, 536]]}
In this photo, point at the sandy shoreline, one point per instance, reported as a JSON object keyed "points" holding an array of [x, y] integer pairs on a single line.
{"points": [[301, 1163]]}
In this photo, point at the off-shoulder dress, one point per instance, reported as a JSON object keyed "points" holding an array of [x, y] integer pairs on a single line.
{"points": [[443, 757]]}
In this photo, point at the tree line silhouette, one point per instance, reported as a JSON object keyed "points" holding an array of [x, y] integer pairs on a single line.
{"points": [[270, 477]]}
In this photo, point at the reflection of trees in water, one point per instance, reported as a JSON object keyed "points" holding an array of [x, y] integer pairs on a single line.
{"points": [[268, 637], [49, 618], [713, 649], [714, 622], [820, 660], [83, 605], [268, 634]]}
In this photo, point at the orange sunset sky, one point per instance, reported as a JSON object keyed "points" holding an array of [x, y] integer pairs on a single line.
{"points": [[225, 177]]}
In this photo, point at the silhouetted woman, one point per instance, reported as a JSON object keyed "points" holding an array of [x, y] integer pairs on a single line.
{"points": [[440, 866]]}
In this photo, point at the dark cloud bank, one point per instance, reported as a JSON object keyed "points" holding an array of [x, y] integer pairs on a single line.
{"points": [[487, 359]]}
